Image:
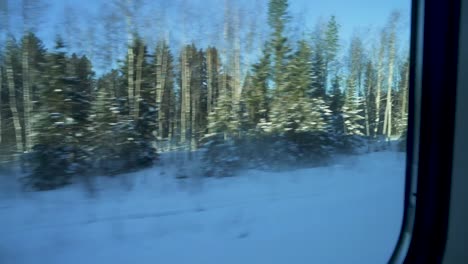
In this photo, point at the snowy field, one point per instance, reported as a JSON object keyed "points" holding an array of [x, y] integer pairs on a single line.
{"points": [[350, 212]]}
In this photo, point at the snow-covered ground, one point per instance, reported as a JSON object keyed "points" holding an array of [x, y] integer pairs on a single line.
{"points": [[350, 212]]}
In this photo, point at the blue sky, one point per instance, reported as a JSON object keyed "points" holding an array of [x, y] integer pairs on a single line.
{"points": [[364, 17], [351, 14]]}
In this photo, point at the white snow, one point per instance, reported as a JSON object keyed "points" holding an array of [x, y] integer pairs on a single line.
{"points": [[350, 212]]}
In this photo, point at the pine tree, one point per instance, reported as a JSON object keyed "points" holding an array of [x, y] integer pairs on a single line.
{"points": [[277, 20], [132, 130], [119, 144], [336, 107], [255, 93], [319, 64], [295, 104], [139, 149], [357, 62], [293, 110], [296, 116], [331, 49], [224, 120], [79, 83], [221, 156], [105, 119], [352, 113], [51, 158]]}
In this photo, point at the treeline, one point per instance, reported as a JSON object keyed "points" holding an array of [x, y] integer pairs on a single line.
{"points": [[299, 103]]}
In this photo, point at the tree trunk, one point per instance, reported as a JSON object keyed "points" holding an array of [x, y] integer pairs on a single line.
{"points": [[27, 96], [379, 85], [165, 94], [194, 112], [388, 109], [13, 105], [404, 100], [131, 61], [366, 116], [139, 74], [172, 117], [185, 95], [130, 81], [162, 93], [159, 91], [236, 75], [209, 85]]}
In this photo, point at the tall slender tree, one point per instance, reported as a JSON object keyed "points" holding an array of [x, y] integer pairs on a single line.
{"points": [[163, 65], [278, 18], [380, 77], [331, 48], [293, 111], [387, 129], [369, 98], [11, 57], [357, 61], [52, 160], [352, 113], [212, 68], [319, 63], [256, 93], [31, 13], [402, 121]]}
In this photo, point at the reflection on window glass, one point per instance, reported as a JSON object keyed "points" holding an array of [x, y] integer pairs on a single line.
{"points": [[204, 131]]}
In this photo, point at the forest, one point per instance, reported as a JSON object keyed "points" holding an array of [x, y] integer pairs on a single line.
{"points": [[258, 96]]}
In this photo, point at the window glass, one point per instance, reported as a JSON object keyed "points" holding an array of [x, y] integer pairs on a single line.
{"points": [[203, 131]]}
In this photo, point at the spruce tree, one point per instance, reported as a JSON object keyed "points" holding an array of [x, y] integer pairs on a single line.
{"points": [[331, 49], [138, 150], [221, 154], [52, 155], [296, 116], [79, 84], [352, 113], [255, 92], [277, 19], [336, 102], [294, 110], [319, 64], [105, 117]]}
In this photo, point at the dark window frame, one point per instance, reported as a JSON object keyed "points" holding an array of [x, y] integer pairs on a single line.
{"points": [[432, 97]]}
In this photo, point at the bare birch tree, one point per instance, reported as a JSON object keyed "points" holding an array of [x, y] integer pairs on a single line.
{"points": [[12, 97], [31, 13], [387, 129], [380, 76]]}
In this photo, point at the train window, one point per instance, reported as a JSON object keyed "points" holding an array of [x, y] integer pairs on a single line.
{"points": [[235, 131]]}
